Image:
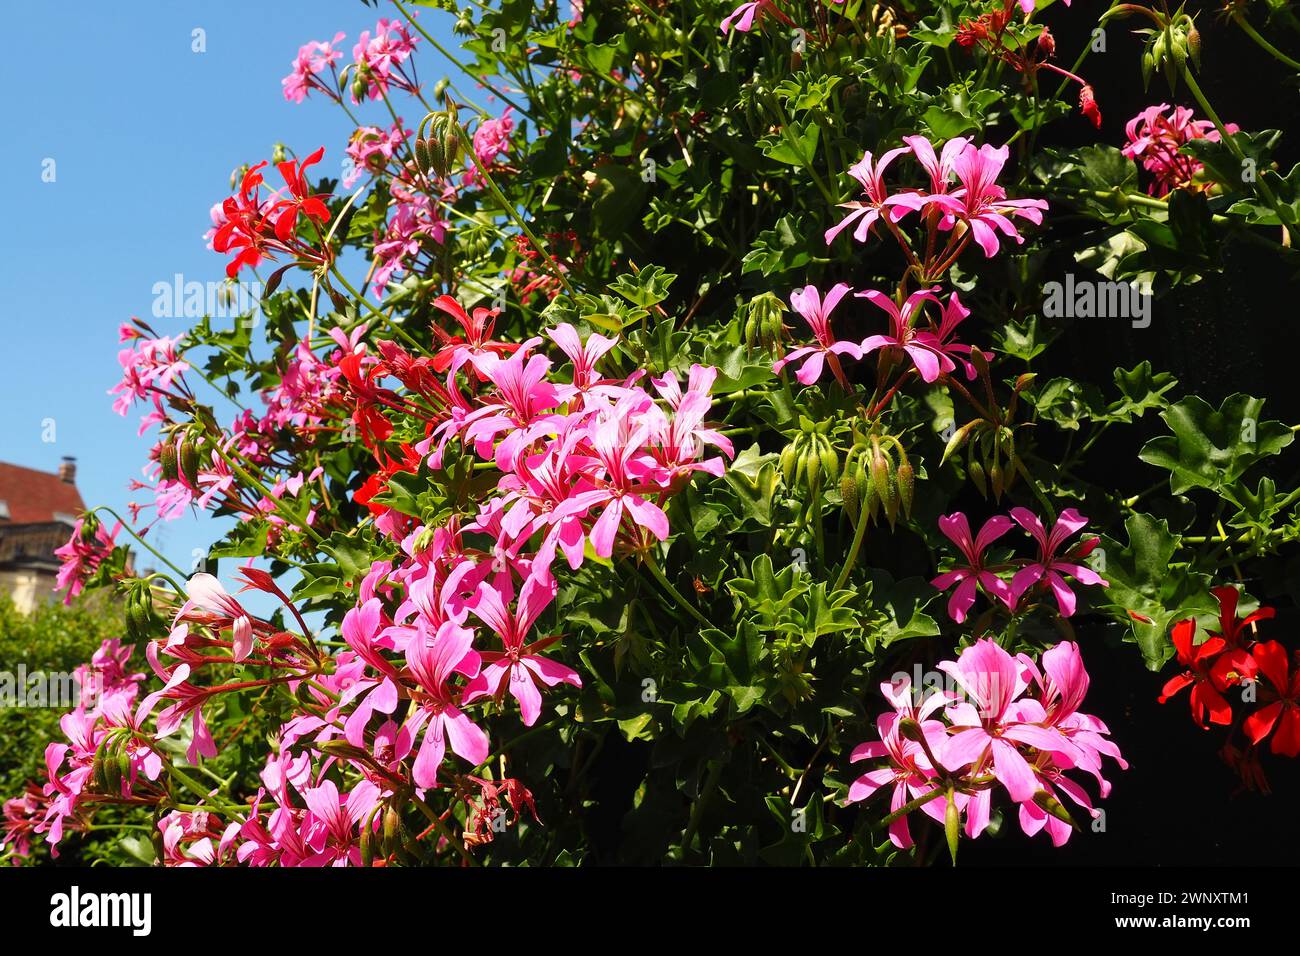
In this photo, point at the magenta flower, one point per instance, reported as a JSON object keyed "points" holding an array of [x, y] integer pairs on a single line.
{"points": [[82, 555], [334, 821], [1158, 140], [975, 574], [313, 58], [519, 668], [982, 204], [492, 138], [1063, 684], [941, 167], [583, 355], [991, 727], [433, 662], [523, 396], [1048, 566], [744, 16], [928, 349], [908, 770], [808, 303], [878, 203], [617, 446]]}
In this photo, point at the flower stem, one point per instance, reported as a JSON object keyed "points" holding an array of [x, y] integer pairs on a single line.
{"points": [[667, 585], [1241, 21]]}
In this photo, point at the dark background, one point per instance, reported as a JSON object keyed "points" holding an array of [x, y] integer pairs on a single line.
{"points": [[1234, 331]]}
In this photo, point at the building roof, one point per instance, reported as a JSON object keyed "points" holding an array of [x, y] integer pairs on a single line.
{"points": [[34, 497]]}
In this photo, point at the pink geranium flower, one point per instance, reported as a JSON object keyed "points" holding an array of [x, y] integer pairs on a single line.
{"points": [[432, 661], [1156, 137], [975, 574], [206, 594], [908, 770], [928, 349], [878, 202], [1048, 565], [519, 668], [981, 203], [313, 58], [744, 16], [995, 721], [816, 312]]}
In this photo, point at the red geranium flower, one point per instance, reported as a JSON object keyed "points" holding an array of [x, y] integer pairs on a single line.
{"points": [[1209, 671], [1280, 717], [286, 210], [1229, 627]]}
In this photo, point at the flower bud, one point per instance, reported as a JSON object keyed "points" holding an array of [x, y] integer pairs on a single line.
{"points": [[189, 462], [830, 462], [341, 748], [849, 494], [952, 826], [1046, 44], [910, 729], [1050, 804], [765, 322], [880, 473], [906, 486], [788, 456], [392, 839], [113, 774], [421, 150], [167, 459]]}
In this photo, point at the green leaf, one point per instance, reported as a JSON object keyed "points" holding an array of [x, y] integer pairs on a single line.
{"points": [[1144, 579], [1212, 448]]}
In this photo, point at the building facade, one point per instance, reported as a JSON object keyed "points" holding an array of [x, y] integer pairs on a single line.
{"points": [[37, 512]]}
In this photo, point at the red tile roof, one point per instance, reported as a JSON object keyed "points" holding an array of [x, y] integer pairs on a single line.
{"points": [[34, 496]]}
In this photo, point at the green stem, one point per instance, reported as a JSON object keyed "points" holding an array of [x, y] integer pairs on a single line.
{"points": [[859, 533], [1241, 21], [459, 65], [150, 548], [280, 506], [1200, 98], [667, 585]]}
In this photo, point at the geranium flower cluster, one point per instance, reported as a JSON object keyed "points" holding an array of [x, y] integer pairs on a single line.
{"points": [[1045, 574], [988, 32], [1009, 726], [587, 465], [252, 228], [1156, 138], [86, 549], [380, 64], [962, 192], [1235, 657], [101, 758]]}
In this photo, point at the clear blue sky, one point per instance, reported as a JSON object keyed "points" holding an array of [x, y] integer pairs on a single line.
{"points": [[144, 133]]}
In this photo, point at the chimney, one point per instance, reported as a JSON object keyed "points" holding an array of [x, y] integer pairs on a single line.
{"points": [[68, 470]]}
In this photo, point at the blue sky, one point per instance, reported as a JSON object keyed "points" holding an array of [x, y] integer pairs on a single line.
{"points": [[144, 133]]}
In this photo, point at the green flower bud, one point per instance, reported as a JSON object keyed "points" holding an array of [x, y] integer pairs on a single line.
{"points": [[849, 494], [906, 486], [952, 827], [189, 462], [167, 458]]}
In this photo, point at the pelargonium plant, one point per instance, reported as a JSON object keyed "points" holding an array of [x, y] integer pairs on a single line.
{"points": [[619, 436]]}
